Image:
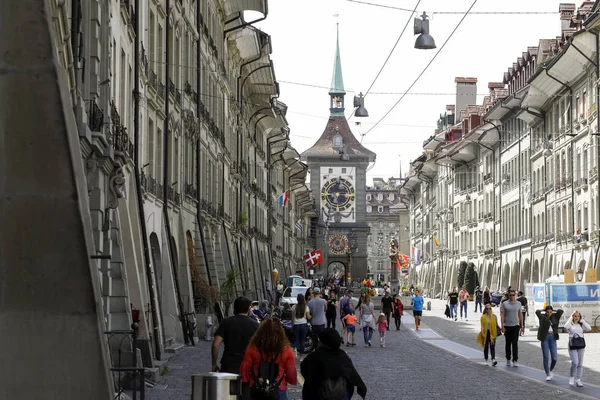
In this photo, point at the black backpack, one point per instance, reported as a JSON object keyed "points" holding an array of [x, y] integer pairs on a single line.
{"points": [[333, 389], [266, 385]]}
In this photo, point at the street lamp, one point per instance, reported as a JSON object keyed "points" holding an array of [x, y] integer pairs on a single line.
{"points": [[425, 40], [359, 101]]}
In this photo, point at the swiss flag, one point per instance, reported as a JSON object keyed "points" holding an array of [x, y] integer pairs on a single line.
{"points": [[314, 258]]}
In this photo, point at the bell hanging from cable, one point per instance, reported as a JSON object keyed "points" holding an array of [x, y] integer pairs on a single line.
{"points": [[425, 40]]}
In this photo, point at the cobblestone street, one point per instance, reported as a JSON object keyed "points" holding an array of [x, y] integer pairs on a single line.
{"points": [[428, 364]]}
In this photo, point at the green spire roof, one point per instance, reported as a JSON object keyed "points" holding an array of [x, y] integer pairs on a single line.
{"points": [[337, 81]]}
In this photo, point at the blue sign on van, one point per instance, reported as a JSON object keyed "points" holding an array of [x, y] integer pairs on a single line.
{"points": [[575, 293]]}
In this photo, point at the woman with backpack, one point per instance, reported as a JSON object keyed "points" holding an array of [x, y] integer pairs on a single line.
{"points": [[367, 319], [269, 364]]}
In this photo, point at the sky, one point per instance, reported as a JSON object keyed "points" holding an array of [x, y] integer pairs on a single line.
{"points": [[484, 46]]}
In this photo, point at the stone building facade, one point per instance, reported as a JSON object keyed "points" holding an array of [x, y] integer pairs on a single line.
{"points": [[187, 151], [387, 217], [514, 180]]}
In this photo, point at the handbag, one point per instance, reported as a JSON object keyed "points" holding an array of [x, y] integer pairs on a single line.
{"points": [[576, 342]]}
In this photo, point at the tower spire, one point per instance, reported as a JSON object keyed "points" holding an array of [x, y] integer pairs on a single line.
{"points": [[336, 91]]}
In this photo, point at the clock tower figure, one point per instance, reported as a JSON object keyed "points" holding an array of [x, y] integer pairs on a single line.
{"points": [[338, 163]]}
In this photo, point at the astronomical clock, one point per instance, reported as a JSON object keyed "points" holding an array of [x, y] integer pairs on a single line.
{"points": [[338, 195]]}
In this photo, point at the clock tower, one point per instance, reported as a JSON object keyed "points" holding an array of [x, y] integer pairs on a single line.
{"points": [[338, 163]]}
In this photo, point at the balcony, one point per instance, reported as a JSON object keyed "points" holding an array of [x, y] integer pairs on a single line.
{"points": [[119, 134], [144, 61], [95, 116], [191, 191]]}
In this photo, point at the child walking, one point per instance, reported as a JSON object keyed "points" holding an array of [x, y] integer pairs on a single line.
{"points": [[350, 321], [382, 328]]}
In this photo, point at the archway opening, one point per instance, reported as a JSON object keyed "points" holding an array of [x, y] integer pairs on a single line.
{"points": [[535, 274], [525, 274], [505, 279]]}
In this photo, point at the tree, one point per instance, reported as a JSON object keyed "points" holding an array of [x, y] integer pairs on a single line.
{"points": [[460, 281], [228, 288], [471, 278]]}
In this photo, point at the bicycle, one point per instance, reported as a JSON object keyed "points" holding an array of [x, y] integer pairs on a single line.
{"points": [[190, 324]]}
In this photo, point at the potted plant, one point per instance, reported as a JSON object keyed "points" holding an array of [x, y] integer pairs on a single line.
{"points": [[228, 289], [243, 219], [205, 298]]}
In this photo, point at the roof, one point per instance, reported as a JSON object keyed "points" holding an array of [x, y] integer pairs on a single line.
{"points": [[324, 145], [337, 80]]}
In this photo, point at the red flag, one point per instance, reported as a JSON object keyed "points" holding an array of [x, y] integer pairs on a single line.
{"points": [[314, 258]]}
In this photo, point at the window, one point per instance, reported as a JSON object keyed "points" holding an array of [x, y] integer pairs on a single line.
{"points": [[369, 197], [331, 170], [338, 141], [380, 196], [380, 209], [343, 170], [391, 197], [369, 209]]}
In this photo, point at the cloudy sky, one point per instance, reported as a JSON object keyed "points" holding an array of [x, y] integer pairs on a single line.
{"points": [[484, 46]]}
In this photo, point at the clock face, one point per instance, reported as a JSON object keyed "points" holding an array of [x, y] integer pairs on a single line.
{"points": [[338, 194]]}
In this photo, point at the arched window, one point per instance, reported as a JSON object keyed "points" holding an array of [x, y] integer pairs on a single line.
{"points": [[338, 141]]}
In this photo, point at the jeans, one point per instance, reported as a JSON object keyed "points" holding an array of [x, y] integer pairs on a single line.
{"points": [[576, 362], [489, 346], [478, 303], [367, 334], [300, 331], [398, 321], [331, 321], [463, 306], [511, 337], [316, 329], [549, 346], [387, 316], [453, 310]]}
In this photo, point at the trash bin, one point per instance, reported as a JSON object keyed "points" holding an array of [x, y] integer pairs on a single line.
{"points": [[428, 306], [216, 386]]}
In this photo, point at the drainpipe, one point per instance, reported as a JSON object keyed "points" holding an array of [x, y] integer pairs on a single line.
{"points": [[597, 130], [140, 199], [499, 196], [198, 152], [166, 184]]}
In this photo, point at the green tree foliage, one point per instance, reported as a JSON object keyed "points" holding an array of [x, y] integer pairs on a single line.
{"points": [[471, 278], [460, 281]]}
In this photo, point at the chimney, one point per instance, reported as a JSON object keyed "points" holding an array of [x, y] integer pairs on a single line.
{"points": [[566, 11], [466, 93]]}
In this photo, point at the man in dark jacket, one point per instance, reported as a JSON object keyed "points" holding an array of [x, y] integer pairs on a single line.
{"points": [[548, 335], [329, 363]]}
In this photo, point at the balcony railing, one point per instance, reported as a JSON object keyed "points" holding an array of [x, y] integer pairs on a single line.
{"points": [[119, 132], [95, 116]]}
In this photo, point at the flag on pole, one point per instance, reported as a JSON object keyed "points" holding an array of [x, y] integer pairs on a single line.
{"points": [[283, 199], [313, 258], [436, 240], [299, 226], [417, 255]]}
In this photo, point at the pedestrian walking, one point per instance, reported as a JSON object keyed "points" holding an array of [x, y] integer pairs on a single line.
{"points": [[387, 305], [488, 333], [417, 303], [234, 333], [548, 335], [398, 311], [452, 301], [350, 323], [382, 327], [463, 297], [487, 296], [478, 298], [331, 313], [317, 307], [511, 319], [300, 317], [329, 372], [524, 308], [367, 319], [345, 307], [268, 365], [576, 325]]}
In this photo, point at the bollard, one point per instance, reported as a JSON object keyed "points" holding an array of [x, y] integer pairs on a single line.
{"points": [[208, 328], [429, 306], [216, 386]]}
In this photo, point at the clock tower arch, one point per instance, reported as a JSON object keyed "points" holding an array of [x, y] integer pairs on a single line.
{"points": [[338, 165]]}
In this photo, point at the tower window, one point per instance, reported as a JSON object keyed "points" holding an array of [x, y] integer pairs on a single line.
{"points": [[343, 170], [331, 170], [338, 141], [380, 209]]}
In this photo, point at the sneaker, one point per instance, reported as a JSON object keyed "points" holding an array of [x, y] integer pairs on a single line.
{"points": [[572, 381], [369, 344], [549, 376], [515, 364], [366, 345], [455, 318], [487, 362], [383, 345], [494, 363], [466, 320], [578, 383], [348, 345], [508, 363]]}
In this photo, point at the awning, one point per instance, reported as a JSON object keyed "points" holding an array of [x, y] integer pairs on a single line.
{"points": [[434, 141], [566, 67], [505, 106], [233, 7], [247, 40]]}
